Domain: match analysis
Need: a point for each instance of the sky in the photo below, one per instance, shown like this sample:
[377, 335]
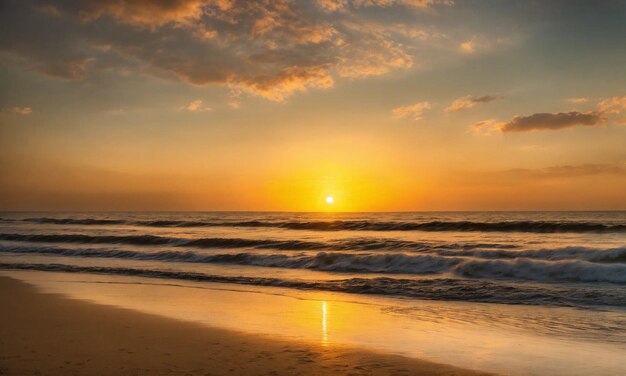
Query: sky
[385, 105]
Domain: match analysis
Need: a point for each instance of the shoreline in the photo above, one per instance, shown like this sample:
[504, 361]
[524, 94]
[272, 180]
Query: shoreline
[54, 335]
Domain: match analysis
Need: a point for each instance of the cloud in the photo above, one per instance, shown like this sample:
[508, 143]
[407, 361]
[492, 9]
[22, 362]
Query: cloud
[379, 57]
[614, 105]
[413, 111]
[279, 86]
[580, 100]
[544, 121]
[468, 47]
[196, 106]
[150, 13]
[552, 121]
[234, 98]
[18, 110]
[333, 5]
[405, 3]
[614, 108]
[483, 42]
[487, 126]
[608, 110]
[341, 5]
[268, 48]
[467, 102]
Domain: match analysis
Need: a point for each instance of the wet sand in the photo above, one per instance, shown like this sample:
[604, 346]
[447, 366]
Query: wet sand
[48, 334]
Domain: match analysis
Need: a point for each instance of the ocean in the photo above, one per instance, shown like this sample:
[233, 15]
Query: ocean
[555, 275]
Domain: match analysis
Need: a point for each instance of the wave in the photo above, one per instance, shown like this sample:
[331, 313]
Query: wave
[555, 254]
[337, 262]
[479, 250]
[390, 263]
[363, 225]
[561, 271]
[431, 288]
[160, 240]
[74, 221]
[476, 250]
[358, 244]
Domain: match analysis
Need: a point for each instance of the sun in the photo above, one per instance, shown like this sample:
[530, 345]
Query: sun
[330, 200]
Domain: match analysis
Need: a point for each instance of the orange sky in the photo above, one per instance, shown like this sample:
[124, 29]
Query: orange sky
[275, 105]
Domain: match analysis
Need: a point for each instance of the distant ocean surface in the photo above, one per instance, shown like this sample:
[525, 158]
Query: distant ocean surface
[575, 259]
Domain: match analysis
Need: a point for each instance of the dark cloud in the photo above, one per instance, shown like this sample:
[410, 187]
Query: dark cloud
[271, 48]
[552, 121]
[543, 121]
[608, 111]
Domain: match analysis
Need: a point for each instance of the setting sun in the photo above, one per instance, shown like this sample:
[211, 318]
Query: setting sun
[330, 200]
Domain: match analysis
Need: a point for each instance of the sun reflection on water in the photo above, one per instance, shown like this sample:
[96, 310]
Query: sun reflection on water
[324, 325]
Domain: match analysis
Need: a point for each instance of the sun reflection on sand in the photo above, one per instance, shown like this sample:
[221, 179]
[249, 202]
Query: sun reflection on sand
[324, 325]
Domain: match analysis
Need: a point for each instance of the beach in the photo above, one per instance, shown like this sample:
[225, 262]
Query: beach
[48, 334]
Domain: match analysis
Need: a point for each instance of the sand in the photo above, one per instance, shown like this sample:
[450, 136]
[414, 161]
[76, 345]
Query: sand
[49, 334]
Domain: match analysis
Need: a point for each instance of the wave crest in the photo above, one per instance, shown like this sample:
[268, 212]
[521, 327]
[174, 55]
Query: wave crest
[431, 288]
[390, 263]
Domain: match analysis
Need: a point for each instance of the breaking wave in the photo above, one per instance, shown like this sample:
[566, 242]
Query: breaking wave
[432, 288]
[390, 263]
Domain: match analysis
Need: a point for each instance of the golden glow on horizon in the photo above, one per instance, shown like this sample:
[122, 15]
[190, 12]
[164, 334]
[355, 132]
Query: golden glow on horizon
[296, 176]
[307, 177]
